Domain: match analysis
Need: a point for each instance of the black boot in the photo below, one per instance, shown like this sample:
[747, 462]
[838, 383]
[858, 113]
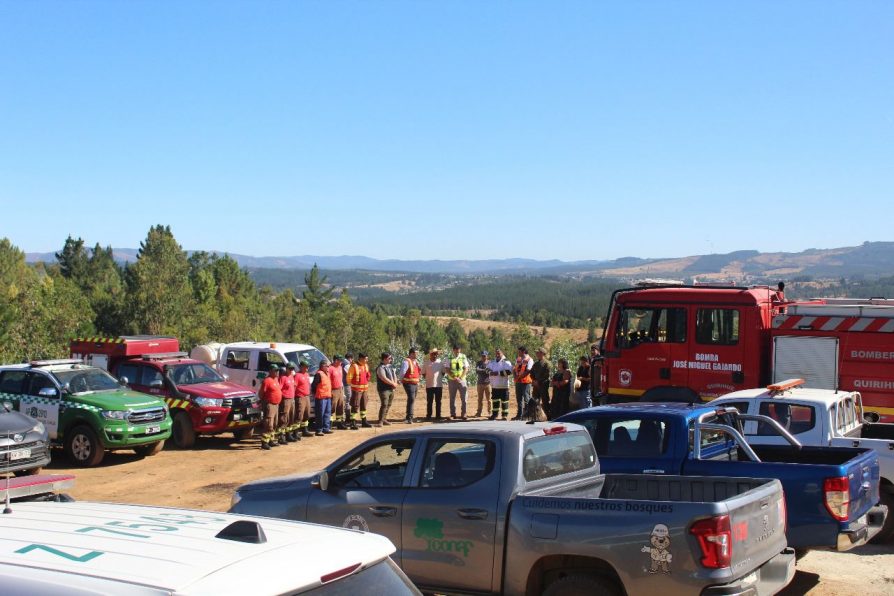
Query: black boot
[340, 425]
[365, 424]
[354, 425]
[283, 440]
[306, 433]
[265, 445]
[295, 436]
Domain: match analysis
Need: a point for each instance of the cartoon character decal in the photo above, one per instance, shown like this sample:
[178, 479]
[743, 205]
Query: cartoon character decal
[659, 543]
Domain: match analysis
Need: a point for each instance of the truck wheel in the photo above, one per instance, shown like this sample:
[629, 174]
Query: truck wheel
[83, 447]
[887, 531]
[579, 584]
[243, 434]
[150, 449]
[182, 432]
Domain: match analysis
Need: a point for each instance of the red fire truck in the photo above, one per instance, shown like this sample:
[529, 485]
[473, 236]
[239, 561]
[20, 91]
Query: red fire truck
[200, 399]
[695, 343]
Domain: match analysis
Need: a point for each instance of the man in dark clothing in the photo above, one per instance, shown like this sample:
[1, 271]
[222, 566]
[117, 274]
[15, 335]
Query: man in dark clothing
[596, 376]
[540, 378]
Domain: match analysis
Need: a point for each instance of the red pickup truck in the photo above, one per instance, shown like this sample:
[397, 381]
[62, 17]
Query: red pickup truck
[200, 399]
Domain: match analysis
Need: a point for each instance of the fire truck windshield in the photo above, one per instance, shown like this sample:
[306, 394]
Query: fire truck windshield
[86, 380]
[193, 374]
[312, 357]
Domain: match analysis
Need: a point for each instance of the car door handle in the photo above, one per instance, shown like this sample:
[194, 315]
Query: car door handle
[383, 511]
[472, 513]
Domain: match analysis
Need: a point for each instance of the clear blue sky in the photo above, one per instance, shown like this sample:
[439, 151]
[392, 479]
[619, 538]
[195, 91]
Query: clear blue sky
[571, 130]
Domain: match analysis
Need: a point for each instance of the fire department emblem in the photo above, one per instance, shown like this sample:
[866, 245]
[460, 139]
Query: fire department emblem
[625, 376]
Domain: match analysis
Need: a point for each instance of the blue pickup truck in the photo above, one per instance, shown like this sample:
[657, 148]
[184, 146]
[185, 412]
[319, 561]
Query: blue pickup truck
[832, 494]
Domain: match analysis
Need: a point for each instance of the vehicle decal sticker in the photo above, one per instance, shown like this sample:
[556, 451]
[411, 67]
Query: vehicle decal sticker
[53, 551]
[356, 522]
[432, 531]
[658, 549]
[625, 377]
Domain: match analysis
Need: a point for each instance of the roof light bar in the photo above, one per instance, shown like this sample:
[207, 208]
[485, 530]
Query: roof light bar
[58, 361]
[165, 355]
[785, 385]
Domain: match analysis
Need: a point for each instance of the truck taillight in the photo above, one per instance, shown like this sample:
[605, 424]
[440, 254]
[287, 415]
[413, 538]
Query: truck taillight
[838, 497]
[715, 540]
[783, 513]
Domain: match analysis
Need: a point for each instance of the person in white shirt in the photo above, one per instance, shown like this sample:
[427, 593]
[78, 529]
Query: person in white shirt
[500, 373]
[433, 371]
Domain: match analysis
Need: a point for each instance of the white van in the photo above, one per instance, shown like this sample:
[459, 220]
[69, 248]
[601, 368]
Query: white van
[247, 362]
[79, 548]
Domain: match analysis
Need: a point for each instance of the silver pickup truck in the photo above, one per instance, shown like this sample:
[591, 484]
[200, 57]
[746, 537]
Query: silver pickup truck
[511, 508]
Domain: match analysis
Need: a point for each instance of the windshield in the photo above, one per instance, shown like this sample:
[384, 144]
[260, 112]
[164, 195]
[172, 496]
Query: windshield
[193, 374]
[86, 380]
[312, 356]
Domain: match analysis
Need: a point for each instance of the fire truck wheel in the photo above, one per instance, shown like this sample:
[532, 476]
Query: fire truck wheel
[150, 449]
[83, 447]
[182, 432]
[887, 531]
[244, 434]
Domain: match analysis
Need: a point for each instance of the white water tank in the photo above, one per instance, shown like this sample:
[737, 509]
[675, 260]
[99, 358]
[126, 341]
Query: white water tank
[208, 353]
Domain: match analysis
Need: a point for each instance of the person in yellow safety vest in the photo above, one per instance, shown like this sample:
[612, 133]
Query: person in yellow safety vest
[456, 381]
[523, 380]
[358, 379]
[409, 378]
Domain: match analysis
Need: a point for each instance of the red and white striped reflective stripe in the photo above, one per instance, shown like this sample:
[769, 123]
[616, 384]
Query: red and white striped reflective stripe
[866, 324]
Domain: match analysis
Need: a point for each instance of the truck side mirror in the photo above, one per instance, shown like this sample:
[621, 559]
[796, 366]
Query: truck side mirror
[123, 381]
[226, 377]
[48, 392]
[157, 384]
[321, 481]
[871, 417]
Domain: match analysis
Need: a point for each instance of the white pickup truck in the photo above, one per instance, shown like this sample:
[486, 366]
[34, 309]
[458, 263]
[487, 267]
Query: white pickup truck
[820, 417]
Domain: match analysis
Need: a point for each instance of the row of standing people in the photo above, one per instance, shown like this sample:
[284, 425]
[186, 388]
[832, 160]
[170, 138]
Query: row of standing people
[340, 390]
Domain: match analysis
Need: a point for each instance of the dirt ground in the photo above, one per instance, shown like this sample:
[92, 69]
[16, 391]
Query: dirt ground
[206, 476]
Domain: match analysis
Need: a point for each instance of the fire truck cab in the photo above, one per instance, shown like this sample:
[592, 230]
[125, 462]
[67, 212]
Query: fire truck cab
[695, 343]
[201, 401]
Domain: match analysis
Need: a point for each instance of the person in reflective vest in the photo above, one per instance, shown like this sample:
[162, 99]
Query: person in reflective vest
[409, 378]
[523, 365]
[358, 379]
[322, 392]
[456, 381]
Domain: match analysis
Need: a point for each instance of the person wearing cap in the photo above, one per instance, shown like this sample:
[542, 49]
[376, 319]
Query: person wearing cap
[286, 428]
[456, 381]
[523, 380]
[386, 383]
[500, 372]
[337, 376]
[482, 374]
[302, 401]
[358, 379]
[433, 371]
[321, 388]
[540, 380]
[409, 378]
[271, 396]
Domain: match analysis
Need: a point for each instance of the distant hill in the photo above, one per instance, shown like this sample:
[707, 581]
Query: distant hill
[870, 259]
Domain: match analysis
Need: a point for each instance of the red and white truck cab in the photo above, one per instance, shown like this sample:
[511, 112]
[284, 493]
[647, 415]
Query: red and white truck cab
[201, 401]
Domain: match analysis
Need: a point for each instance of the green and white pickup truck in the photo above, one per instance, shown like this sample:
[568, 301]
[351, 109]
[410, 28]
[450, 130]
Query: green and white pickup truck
[85, 410]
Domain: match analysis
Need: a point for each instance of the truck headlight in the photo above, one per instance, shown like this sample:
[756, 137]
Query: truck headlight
[207, 402]
[114, 414]
[39, 428]
[235, 500]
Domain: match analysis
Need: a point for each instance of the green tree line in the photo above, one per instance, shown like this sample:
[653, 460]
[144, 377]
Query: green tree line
[202, 297]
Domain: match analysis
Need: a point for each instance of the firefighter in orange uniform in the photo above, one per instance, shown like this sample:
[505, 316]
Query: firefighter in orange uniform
[302, 401]
[321, 387]
[336, 375]
[358, 379]
[271, 397]
[409, 378]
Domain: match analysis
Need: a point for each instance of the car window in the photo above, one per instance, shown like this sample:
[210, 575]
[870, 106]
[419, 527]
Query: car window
[265, 359]
[85, 379]
[237, 359]
[151, 375]
[191, 374]
[651, 325]
[717, 326]
[38, 382]
[552, 455]
[453, 464]
[131, 371]
[383, 465]
[13, 381]
[623, 436]
[312, 356]
[792, 417]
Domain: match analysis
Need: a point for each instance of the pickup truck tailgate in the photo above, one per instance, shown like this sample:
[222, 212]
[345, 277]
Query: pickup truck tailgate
[863, 484]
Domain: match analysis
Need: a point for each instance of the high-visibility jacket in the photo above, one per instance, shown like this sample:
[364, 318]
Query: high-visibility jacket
[457, 364]
[523, 370]
[323, 386]
[411, 377]
[358, 377]
[287, 384]
[302, 384]
[271, 392]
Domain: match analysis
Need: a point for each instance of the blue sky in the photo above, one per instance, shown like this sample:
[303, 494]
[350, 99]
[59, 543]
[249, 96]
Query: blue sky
[570, 130]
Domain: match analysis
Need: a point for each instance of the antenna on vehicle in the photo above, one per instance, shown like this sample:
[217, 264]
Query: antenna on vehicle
[7, 509]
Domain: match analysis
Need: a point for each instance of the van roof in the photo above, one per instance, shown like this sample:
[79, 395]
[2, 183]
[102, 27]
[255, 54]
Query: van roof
[171, 549]
[278, 345]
